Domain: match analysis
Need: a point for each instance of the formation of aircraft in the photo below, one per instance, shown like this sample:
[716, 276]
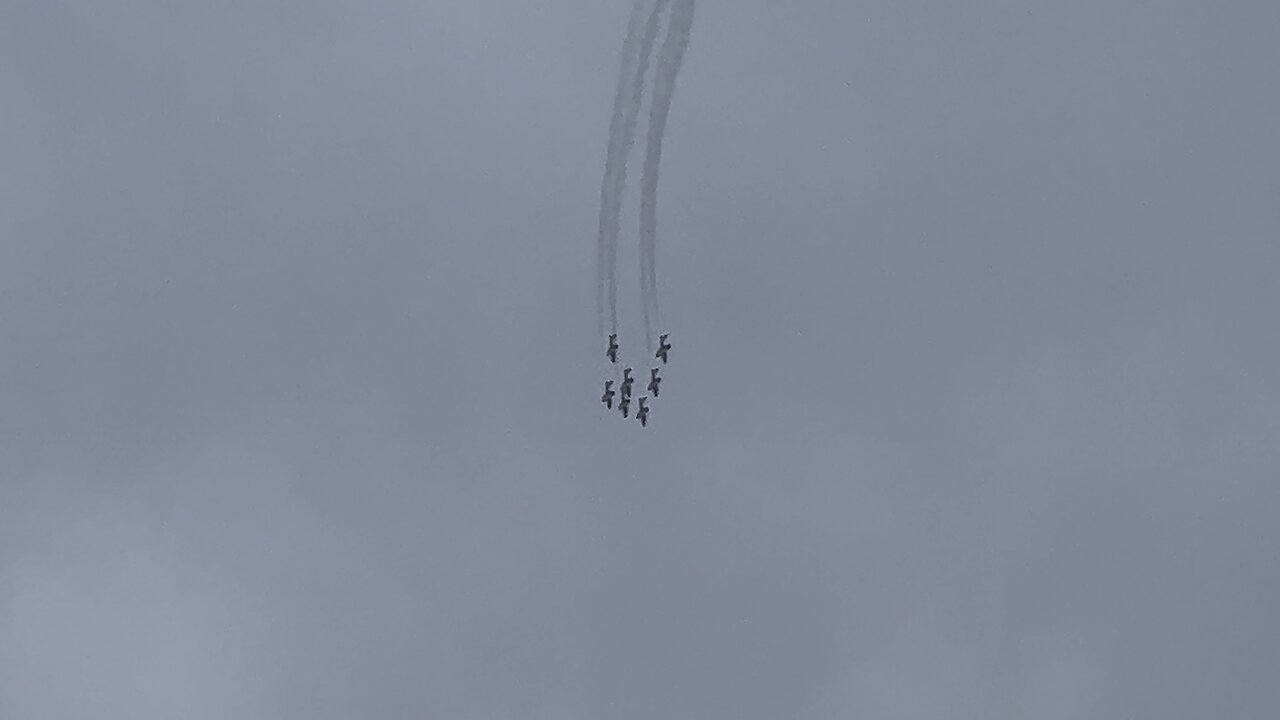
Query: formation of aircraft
[624, 391]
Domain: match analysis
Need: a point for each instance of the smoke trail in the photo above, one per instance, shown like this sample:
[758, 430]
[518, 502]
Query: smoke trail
[647, 41]
[628, 139]
[670, 58]
[615, 159]
[622, 133]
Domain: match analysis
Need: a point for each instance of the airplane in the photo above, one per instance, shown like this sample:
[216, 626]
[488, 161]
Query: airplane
[607, 398]
[624, 405]
[663, 348]
[653, 381]
[642, 412]
[612, 352]
[626, 382]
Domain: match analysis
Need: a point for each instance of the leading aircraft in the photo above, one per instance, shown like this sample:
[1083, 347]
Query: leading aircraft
[607, 397]
[642, 412]
[612, 352]
[663, 348]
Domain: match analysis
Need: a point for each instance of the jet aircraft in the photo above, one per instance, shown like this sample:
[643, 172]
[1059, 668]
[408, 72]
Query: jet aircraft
[626, 383]
[607, 397]
[612, 352]
[625, 405]
[653, 381]
[642, 412]
[663, 348]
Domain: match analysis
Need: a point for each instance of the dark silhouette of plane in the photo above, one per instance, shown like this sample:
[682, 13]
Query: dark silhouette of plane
[624, 405]
[626, 383]
[663, 348]
[607, 397]
[653, 381]
[642, 412]
[612, 352]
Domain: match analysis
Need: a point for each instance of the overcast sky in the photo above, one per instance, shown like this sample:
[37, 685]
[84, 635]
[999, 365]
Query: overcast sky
[972, 410]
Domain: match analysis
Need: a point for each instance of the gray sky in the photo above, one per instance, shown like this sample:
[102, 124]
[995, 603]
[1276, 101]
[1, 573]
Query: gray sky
[971, 413]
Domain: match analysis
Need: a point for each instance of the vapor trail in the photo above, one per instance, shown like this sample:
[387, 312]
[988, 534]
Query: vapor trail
[615, 161]
[622, 135]
[670, 57]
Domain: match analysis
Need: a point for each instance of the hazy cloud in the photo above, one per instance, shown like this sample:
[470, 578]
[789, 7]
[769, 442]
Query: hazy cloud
[972, 413]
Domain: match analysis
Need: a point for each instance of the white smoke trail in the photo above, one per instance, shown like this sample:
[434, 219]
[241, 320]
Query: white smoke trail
[622, 135]
[628, 138]
[670, 58]
[615, 162]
